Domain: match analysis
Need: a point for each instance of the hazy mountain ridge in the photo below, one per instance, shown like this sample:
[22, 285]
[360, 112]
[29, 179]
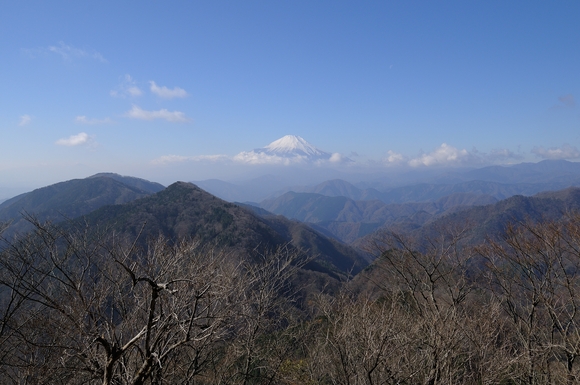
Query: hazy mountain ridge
[415, 185]
[481, 222]
[254, 190]
[347, 219]
[73, 198]
[429, 192]
[132, 182]
[142, 184]
[338, 187]
[546, 171]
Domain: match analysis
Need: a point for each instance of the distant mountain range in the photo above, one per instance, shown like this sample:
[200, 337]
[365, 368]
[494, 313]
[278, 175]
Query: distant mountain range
[546, 171]
[499, 182]
[347, 219]
[490, 221]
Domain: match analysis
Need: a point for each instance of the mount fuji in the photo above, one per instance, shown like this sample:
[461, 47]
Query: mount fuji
[288, 150]
[292, 146]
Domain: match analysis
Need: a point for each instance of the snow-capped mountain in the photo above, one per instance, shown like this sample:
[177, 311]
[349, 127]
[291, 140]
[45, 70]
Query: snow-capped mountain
[290, 149]
[292, 146]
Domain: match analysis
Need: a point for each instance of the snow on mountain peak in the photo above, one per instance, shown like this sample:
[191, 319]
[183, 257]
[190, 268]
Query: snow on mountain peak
[290, 149]
[293, 145]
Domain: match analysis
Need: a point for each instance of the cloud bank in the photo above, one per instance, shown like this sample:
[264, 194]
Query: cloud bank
[554, 153]
[244, 157]
[449, 156]
[255, 158]
[443, 156]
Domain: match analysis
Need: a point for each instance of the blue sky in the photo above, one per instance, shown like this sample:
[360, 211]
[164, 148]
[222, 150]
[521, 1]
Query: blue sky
[175, 89]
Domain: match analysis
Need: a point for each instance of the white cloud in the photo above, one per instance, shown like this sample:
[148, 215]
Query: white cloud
[67, 52]
[338, 158]
[128, 87]
[74, 140]
[335, 159]
[166, 159]
[445, 155]
[252, 157]
[211, 158]
[83, 120]
[166, 93]
[171, 116]
[394, 158]
[134, 91]
[24, 120]
[564, 152]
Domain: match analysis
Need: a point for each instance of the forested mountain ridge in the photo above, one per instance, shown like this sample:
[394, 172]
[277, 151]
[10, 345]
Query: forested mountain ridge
[183, 210]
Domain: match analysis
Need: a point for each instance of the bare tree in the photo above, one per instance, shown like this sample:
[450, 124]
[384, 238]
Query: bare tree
[536, 275]
[94, 310]
[361, 341]
[435, 286]
[84, 307]
[266, 334]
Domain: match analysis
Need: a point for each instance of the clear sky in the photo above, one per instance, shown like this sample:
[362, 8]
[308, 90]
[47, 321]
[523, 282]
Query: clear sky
[159, 89]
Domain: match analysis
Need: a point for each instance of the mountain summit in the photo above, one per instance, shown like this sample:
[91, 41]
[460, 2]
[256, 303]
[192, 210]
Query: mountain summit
[290, 149]
[292, 145]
